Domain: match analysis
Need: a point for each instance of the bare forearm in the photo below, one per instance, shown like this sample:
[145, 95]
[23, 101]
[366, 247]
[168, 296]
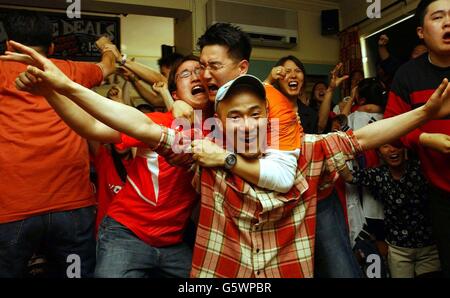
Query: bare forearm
[168, 100]
[347, 107]
[247, 169]
[108, 63]
[147, 74]
[148, 95]
[118, 116]
[387, 130]
[324, 110]
[126, 93]
[80, 121]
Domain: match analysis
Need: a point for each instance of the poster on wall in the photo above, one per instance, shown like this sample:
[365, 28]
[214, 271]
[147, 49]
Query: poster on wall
[74, 39]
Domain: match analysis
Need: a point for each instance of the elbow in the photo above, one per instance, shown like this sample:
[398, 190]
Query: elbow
[281, 182]
[285, 186]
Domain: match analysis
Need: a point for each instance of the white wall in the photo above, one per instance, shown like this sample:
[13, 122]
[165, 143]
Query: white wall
[142, 37]
[312, 48]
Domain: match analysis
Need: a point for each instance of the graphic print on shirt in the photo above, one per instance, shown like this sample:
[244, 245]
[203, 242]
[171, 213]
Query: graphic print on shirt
[152, 174]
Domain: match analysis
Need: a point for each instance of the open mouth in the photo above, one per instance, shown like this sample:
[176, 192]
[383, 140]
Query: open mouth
[249, 139]
[197, 90]
[446, 37]
[293, 85]
[394, 157]
[213, 88]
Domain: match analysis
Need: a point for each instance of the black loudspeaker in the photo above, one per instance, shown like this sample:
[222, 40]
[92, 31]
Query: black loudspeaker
[330, 21]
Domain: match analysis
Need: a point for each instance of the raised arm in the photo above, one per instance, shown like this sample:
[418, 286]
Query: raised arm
[147, 74]
[145, 92]
[382, 47]
[81, 122]
[108, 62]
[387, 130]
[162, 89]
[115, 115]
[325, 106]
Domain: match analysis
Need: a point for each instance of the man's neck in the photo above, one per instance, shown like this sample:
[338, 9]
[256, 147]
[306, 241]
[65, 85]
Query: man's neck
[439, 60]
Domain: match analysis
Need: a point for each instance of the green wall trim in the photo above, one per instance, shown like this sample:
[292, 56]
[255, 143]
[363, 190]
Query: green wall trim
[261, 68]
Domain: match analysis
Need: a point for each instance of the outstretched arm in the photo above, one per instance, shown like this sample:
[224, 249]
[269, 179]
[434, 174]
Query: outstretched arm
[387, 130]
[115, 115]
[80, 121]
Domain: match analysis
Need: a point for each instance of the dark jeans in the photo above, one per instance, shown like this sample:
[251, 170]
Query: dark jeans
[440, 216]
[65, 237]
[334, 257]
[121, 254]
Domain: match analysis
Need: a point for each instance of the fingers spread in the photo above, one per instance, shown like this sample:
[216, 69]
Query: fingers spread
[29, 51]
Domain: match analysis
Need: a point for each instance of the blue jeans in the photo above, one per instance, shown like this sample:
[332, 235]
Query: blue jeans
[59, 234]
[334, 257]
[121, 254]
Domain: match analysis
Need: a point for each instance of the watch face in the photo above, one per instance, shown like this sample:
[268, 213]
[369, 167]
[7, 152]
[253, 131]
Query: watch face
[230, 161]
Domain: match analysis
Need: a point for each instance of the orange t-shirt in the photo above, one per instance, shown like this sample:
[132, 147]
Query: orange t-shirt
[44, 165]
[289, 130]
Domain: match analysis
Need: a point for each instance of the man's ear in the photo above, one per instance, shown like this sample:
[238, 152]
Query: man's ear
[51, 49]
[419, 31]
[175, 96]
[243, 66]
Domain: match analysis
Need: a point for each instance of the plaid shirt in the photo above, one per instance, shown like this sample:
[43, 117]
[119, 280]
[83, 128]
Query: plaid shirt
[248, 232]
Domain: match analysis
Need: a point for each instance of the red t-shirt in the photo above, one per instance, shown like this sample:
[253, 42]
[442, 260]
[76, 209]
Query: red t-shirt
[108, 181]
[44, 165]
[157, 199]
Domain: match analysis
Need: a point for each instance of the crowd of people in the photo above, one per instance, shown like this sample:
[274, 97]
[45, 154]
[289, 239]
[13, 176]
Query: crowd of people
[217, 173]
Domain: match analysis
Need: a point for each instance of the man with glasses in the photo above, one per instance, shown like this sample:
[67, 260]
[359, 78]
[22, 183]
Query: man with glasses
[142, 234]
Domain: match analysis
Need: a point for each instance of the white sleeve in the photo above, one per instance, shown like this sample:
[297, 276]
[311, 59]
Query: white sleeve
[277, 170]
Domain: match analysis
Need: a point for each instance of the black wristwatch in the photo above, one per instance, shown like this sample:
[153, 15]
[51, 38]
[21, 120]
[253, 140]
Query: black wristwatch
[230, 161]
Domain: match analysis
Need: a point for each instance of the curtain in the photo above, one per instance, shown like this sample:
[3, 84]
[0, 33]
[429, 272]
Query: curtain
[350, 54]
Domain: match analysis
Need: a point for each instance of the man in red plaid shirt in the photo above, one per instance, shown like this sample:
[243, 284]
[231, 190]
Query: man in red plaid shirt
[244, 231]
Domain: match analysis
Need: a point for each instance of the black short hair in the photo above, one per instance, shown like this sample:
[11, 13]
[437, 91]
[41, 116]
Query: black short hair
[294, 59]
[172, 84]
[169, 60]
[421, 11]
[225, 34]
[373, 92]
[29, 28]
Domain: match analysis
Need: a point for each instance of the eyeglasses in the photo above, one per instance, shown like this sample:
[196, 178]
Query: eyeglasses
[188, 73]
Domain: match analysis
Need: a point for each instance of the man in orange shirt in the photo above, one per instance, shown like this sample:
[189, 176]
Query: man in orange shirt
[46, 197]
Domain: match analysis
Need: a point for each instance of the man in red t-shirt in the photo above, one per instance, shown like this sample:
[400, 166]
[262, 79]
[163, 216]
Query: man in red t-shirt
[46, 197]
